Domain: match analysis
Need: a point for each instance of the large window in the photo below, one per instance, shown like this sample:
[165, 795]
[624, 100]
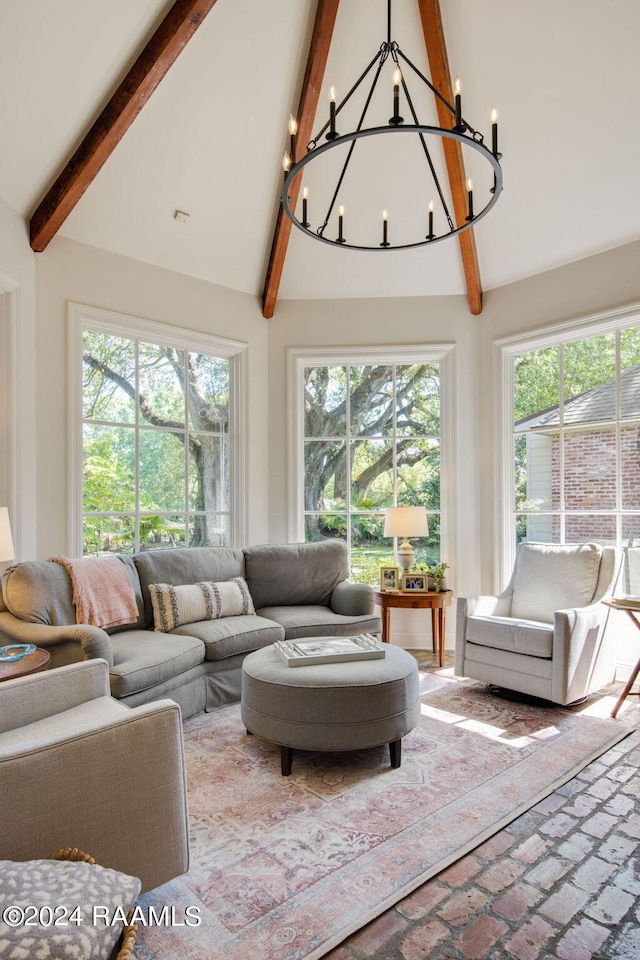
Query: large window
[576, 440]
[158, 439]
[369, 438]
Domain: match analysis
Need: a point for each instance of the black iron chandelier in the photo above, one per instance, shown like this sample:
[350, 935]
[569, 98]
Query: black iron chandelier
[430, 216]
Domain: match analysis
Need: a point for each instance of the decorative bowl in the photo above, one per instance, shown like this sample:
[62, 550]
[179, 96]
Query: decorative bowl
[15, 651]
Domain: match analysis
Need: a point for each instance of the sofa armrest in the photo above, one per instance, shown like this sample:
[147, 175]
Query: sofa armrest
[352, 599]
[29, 699]
[95, 642]
[118, 792]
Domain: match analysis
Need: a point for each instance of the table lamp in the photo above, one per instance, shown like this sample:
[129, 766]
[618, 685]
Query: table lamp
[405, 522]
[6, 542]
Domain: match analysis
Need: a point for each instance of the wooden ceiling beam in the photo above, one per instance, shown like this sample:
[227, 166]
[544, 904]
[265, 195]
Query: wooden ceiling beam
[441, 79]
[164, 47]
[326, 12]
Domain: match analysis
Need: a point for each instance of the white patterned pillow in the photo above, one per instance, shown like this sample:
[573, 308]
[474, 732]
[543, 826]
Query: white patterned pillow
[62, 910]
[192, 602]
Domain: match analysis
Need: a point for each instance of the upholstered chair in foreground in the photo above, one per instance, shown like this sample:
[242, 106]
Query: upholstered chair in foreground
[545, 634]
[80, 769]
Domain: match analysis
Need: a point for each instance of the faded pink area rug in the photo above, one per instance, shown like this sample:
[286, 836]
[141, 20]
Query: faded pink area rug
[284, 868]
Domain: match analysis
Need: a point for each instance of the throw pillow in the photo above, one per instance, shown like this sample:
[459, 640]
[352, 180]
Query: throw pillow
[60, 909]
[192, 602]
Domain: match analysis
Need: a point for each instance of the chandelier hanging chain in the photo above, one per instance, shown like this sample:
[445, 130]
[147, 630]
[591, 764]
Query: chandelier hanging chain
[459, 131]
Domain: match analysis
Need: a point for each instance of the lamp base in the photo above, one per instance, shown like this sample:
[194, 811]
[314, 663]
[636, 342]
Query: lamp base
[406, 556]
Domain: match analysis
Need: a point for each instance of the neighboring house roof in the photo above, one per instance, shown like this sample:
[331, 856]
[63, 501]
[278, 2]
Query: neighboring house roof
[593, 405]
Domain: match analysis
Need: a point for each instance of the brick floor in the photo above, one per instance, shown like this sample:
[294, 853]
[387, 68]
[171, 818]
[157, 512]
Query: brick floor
[562, 882]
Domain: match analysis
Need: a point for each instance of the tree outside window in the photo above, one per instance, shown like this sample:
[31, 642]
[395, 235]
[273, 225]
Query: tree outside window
[371, 441]
[156, 446]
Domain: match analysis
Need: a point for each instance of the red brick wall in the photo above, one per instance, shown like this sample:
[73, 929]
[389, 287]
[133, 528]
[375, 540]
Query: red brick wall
[590, 480]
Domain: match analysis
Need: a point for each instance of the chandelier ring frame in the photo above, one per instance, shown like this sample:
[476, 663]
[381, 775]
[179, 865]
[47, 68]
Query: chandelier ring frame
[416, 130]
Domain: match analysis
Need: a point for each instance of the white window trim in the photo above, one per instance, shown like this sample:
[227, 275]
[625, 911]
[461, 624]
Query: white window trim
[82, 317]
[9, 485]
[442, 353]
[504, 350]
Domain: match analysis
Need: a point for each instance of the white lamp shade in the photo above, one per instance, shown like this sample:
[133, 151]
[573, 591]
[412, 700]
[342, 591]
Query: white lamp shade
[406, 522]
[6, 542]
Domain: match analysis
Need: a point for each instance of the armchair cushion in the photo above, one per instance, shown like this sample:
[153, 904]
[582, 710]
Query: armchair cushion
[75, 722]
[550, 577]
[54, 886]
[531, 637]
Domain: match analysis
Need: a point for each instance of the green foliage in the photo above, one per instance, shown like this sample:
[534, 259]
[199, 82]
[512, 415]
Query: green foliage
[181, 402]
[365, 566]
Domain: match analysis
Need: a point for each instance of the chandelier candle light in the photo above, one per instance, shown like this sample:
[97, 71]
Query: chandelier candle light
[440, 221]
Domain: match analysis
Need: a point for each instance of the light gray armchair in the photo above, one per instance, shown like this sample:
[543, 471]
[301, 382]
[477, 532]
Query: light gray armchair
[545, 634]
[80, 769]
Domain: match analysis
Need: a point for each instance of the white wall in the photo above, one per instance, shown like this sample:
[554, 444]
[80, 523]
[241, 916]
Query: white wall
[574, 291]
[358, 323]
[71, 271]
[17, 380]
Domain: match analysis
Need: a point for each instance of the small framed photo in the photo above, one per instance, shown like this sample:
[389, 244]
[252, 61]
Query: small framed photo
[389, 578]
[416, 582]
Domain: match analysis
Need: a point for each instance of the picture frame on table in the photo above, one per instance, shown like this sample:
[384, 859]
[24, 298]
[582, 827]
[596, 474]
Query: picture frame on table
[415, 582]
[389, 578]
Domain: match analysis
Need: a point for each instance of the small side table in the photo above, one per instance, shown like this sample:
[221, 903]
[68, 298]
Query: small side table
[413, 600]
[632, 610]
[32, 663]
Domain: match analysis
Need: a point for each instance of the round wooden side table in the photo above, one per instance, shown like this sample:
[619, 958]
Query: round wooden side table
[32, 663]
[414, 600]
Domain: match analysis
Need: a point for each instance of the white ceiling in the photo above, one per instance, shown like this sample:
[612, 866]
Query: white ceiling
[565, 77]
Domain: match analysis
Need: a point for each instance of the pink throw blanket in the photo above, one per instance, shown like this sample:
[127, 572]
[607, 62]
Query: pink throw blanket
[102, 591]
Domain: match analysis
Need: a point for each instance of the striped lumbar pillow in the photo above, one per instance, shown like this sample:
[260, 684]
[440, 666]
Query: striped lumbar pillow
[173, 606]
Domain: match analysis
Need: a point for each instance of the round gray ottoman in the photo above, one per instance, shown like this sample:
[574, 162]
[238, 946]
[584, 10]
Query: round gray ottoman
[331, 706]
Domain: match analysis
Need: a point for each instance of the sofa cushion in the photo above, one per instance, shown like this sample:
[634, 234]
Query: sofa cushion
[530, 637]
[144, 658]
[54, 886]
[181, 565]
[191, 602]
[314, 620]
[550, 577]
[284, 574]
[232, 635]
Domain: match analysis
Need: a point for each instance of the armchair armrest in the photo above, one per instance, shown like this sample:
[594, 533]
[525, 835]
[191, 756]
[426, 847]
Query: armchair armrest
[116, 790]
[480, 606]
[29, 699]
[579, 643]
[352, 599]
[95, 642]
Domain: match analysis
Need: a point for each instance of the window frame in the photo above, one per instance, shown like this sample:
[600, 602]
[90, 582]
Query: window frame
[505, 349]
[82, 317]
[442, 354]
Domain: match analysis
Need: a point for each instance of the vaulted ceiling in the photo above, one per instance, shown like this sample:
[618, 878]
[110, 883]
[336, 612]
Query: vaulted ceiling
[209, 139]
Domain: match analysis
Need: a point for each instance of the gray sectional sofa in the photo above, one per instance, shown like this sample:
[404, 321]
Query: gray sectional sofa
[298, 590]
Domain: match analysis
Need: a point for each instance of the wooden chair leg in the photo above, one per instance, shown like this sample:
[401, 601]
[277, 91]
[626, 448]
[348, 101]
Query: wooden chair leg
[286, 756]
[395, 753]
